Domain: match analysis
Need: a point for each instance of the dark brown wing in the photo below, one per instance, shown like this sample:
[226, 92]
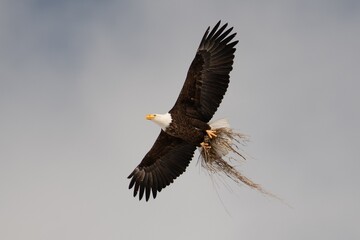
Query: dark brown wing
[208, 76]
[166, 160]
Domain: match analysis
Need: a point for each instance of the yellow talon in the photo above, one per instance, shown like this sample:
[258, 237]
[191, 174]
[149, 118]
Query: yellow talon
[205, 145]
[211, 133]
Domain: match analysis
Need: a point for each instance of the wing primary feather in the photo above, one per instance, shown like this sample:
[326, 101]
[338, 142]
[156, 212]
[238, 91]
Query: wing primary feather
[148, 190]
[132, 182]
[225, 33]
[141, 191]
[204, 37]
[232, 44]
[147, 193]
[228, 39]
[136, 188]
[217, 34]
[154, 192]
[214, 30]
[154, 186]
[131, 174]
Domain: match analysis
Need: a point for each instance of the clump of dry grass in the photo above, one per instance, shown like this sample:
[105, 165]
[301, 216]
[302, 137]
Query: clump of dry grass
[215, 158]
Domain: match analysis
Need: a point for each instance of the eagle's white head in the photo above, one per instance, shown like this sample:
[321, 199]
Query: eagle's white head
[163, 120]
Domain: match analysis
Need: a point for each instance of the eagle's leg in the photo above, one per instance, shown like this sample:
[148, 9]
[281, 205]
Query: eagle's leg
[211, 133]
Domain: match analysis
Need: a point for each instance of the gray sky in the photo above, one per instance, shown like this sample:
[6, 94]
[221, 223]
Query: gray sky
[77, 78]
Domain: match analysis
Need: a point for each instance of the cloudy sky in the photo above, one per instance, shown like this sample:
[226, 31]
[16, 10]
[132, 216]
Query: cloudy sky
[77, 78]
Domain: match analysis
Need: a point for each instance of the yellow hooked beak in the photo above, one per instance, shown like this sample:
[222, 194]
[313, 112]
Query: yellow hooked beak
[150, 116]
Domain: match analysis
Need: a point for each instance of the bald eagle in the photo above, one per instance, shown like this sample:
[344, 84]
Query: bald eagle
[186, 126]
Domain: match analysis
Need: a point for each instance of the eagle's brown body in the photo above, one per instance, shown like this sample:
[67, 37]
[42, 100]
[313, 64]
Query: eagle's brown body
[189, 129]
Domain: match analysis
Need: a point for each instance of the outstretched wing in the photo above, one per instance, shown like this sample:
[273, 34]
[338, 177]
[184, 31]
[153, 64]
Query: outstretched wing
[166, 160]
[208, 76]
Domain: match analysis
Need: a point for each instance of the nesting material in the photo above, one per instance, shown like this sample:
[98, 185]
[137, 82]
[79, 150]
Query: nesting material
[223, 148]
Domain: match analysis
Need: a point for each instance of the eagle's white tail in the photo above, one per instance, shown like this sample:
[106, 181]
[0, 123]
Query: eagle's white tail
[215, 157]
